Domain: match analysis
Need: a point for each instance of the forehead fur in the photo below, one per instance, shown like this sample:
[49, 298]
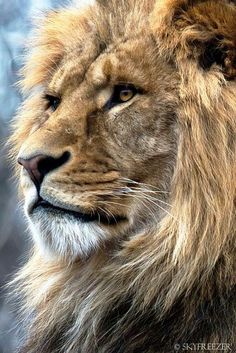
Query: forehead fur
[178, 25]
[86, 33]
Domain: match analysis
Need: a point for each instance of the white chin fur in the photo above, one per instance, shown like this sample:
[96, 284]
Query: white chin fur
[61, 235]
[65, 237]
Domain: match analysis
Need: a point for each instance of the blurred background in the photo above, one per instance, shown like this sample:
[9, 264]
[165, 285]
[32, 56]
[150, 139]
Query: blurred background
[15, 26]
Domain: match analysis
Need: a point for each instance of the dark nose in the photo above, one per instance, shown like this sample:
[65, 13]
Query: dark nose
[40, 165]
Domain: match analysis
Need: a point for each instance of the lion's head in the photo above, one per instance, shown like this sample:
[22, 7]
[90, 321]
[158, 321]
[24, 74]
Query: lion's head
[99, 146]
[126, 142]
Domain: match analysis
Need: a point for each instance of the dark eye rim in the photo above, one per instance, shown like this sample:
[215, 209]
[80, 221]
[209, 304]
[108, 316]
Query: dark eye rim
[53, 101]
[115, 98]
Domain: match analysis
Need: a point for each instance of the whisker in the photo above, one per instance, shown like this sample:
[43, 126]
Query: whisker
[143, 201]
[107, 213]
[110, 202]
[123, 179]
[141, 192]
[142, 197]
[149, 197]
[150, 191]
[154, 203]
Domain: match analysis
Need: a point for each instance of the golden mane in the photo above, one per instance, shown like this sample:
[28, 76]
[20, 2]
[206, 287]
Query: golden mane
[187, 263]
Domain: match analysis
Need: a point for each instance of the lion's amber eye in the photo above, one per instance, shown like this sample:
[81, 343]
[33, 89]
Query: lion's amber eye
[122, 93]
[53, 102]
[126, 94]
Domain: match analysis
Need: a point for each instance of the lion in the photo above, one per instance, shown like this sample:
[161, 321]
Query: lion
[126, 154]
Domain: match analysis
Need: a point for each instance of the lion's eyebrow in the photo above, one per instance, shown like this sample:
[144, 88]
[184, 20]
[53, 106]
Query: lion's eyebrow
[51, 92]
[98, 77]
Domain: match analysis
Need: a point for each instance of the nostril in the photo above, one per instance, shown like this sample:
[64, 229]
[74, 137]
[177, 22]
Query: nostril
[40, 165]
[48, 164]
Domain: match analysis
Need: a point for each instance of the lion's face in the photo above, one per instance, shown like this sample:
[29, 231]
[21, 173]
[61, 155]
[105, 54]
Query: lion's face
[102, 139]
[111, 117]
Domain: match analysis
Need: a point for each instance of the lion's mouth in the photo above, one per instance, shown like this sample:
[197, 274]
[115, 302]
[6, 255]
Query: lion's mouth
[95, 216]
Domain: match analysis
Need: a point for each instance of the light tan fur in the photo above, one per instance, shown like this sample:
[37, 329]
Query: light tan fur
[186, 253]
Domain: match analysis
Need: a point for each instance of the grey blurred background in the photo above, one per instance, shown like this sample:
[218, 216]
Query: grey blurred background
[15, 26]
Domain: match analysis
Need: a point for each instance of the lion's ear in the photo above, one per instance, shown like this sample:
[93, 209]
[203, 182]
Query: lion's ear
[198, 30]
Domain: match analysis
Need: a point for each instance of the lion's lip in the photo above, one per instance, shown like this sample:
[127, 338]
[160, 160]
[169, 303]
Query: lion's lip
[94, 216]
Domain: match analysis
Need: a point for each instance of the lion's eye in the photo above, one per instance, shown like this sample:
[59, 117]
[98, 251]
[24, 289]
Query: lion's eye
[127, 94]
[53, 102]
[122, 93]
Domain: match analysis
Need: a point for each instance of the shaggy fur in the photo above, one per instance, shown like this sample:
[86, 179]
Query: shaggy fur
[166, 275]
